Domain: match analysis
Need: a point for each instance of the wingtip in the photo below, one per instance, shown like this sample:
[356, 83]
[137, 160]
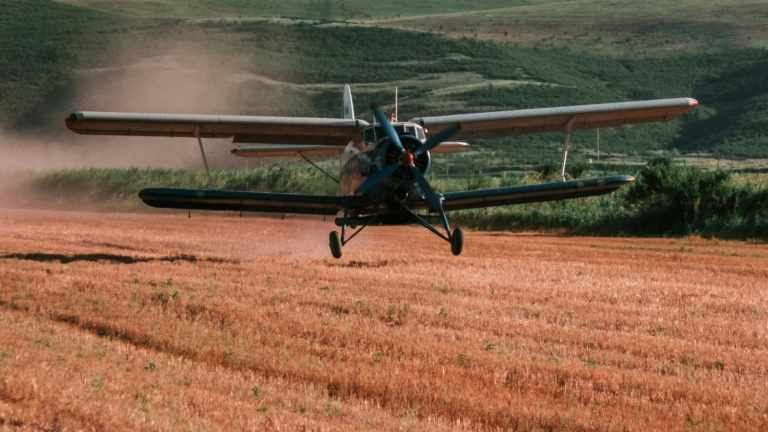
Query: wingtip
[693, 102]
[70, 120]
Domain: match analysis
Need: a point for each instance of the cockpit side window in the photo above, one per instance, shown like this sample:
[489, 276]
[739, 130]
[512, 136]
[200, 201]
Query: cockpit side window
[374, 134]
[370, 135]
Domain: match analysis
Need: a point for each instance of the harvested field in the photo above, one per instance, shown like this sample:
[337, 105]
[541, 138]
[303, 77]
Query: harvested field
[159, 322]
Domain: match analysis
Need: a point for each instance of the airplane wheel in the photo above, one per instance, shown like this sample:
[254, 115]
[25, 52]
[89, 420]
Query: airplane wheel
[335, 244]
[457, 241]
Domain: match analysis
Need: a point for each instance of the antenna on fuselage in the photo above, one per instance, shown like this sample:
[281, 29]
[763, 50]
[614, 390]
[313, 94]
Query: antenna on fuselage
[395, 103]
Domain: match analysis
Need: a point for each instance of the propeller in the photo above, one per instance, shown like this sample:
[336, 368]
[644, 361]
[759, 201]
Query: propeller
[406, 159]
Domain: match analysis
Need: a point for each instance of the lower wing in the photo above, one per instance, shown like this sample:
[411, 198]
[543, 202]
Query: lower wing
[198, 199]
[533, 193]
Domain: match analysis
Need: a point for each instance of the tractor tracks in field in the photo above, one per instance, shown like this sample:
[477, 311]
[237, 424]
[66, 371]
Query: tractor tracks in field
[112, 258]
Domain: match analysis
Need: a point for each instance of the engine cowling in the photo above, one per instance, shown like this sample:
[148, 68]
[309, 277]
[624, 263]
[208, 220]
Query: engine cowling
[393, 155]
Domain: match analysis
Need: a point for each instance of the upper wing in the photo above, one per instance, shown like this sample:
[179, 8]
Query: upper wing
[197, 199]
[533, 193]
[244, 129]
[518, 122]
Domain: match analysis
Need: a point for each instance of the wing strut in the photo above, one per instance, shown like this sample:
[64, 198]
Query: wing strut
[568, 125]
[205, 161]
[318, 168]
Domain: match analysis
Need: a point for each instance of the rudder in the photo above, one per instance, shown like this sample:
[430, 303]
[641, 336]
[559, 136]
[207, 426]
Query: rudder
[347, 108]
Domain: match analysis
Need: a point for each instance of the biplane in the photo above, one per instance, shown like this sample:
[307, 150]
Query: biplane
[382, 166]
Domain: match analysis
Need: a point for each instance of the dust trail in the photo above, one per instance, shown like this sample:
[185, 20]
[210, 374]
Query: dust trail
[182, 78]
[176, 82]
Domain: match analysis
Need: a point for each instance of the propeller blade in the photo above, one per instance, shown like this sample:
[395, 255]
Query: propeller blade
[429, 193]
[381, 118]
[377, 178]
[437, 139]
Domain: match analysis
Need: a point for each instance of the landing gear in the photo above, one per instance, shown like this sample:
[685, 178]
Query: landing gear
[457, 241]
[335, 244]
[338, 241]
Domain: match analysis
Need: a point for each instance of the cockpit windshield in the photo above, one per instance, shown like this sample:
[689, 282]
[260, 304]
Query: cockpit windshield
[374, 134]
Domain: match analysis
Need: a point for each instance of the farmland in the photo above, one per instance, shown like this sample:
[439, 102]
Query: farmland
[158, 322]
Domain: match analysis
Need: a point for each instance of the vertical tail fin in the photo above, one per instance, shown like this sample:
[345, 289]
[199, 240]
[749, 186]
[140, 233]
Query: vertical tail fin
[347, 108]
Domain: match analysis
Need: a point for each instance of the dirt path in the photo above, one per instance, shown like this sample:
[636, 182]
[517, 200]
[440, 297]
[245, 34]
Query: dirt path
[142, 321]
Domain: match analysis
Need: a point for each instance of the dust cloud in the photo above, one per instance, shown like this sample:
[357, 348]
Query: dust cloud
[178, 81]
[184, 80]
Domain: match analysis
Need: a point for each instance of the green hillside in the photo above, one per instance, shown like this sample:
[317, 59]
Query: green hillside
[625, 28]
[305, 9]
[297, 68]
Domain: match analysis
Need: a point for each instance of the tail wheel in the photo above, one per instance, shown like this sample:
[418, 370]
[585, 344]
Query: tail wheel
[335, 244]
[457, 241]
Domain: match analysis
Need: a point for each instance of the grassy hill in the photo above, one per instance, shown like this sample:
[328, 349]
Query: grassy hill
[291, 67]
[305, 9]
[609, 27]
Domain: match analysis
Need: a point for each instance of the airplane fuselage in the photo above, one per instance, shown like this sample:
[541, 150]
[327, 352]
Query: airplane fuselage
[363, 158]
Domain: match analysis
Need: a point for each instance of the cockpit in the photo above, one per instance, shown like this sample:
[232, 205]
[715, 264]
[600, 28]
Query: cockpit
[373, 134]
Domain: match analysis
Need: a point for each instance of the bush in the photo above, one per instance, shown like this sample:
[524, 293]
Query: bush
[672, 199]
[667, 199]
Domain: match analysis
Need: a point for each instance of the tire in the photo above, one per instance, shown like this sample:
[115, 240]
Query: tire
[457, 241]
[335, 244]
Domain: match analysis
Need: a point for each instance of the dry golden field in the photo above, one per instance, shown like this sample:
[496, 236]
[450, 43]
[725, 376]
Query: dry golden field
[160, 322]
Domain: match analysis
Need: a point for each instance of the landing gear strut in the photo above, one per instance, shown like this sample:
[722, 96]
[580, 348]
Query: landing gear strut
[456, 239]
[337, 242]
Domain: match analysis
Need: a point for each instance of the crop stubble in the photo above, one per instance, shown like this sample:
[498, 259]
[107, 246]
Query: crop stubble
[160, 321]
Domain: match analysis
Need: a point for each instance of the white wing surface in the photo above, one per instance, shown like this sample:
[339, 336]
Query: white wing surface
[243, 129]
[519, 122]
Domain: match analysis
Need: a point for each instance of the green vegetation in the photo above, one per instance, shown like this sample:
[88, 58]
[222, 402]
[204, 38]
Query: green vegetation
[43, 42]
[304, 9]
[649, 28]
[298, 69]
[667, 199]
[117, 188]
[534, 53]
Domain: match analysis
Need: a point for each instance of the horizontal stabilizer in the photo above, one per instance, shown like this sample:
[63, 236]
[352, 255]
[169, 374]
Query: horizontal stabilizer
[448, 147]
[287, 150]
[199, 199]
[533, 193]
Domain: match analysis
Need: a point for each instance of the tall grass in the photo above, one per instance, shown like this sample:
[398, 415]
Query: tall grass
[667, 199]
[117, 188]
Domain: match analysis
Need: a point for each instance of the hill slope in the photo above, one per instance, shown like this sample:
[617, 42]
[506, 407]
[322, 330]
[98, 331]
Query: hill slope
[287, 68]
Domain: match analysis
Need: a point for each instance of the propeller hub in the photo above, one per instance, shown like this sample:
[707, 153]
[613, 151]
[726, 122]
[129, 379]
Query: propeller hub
[407, 159]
